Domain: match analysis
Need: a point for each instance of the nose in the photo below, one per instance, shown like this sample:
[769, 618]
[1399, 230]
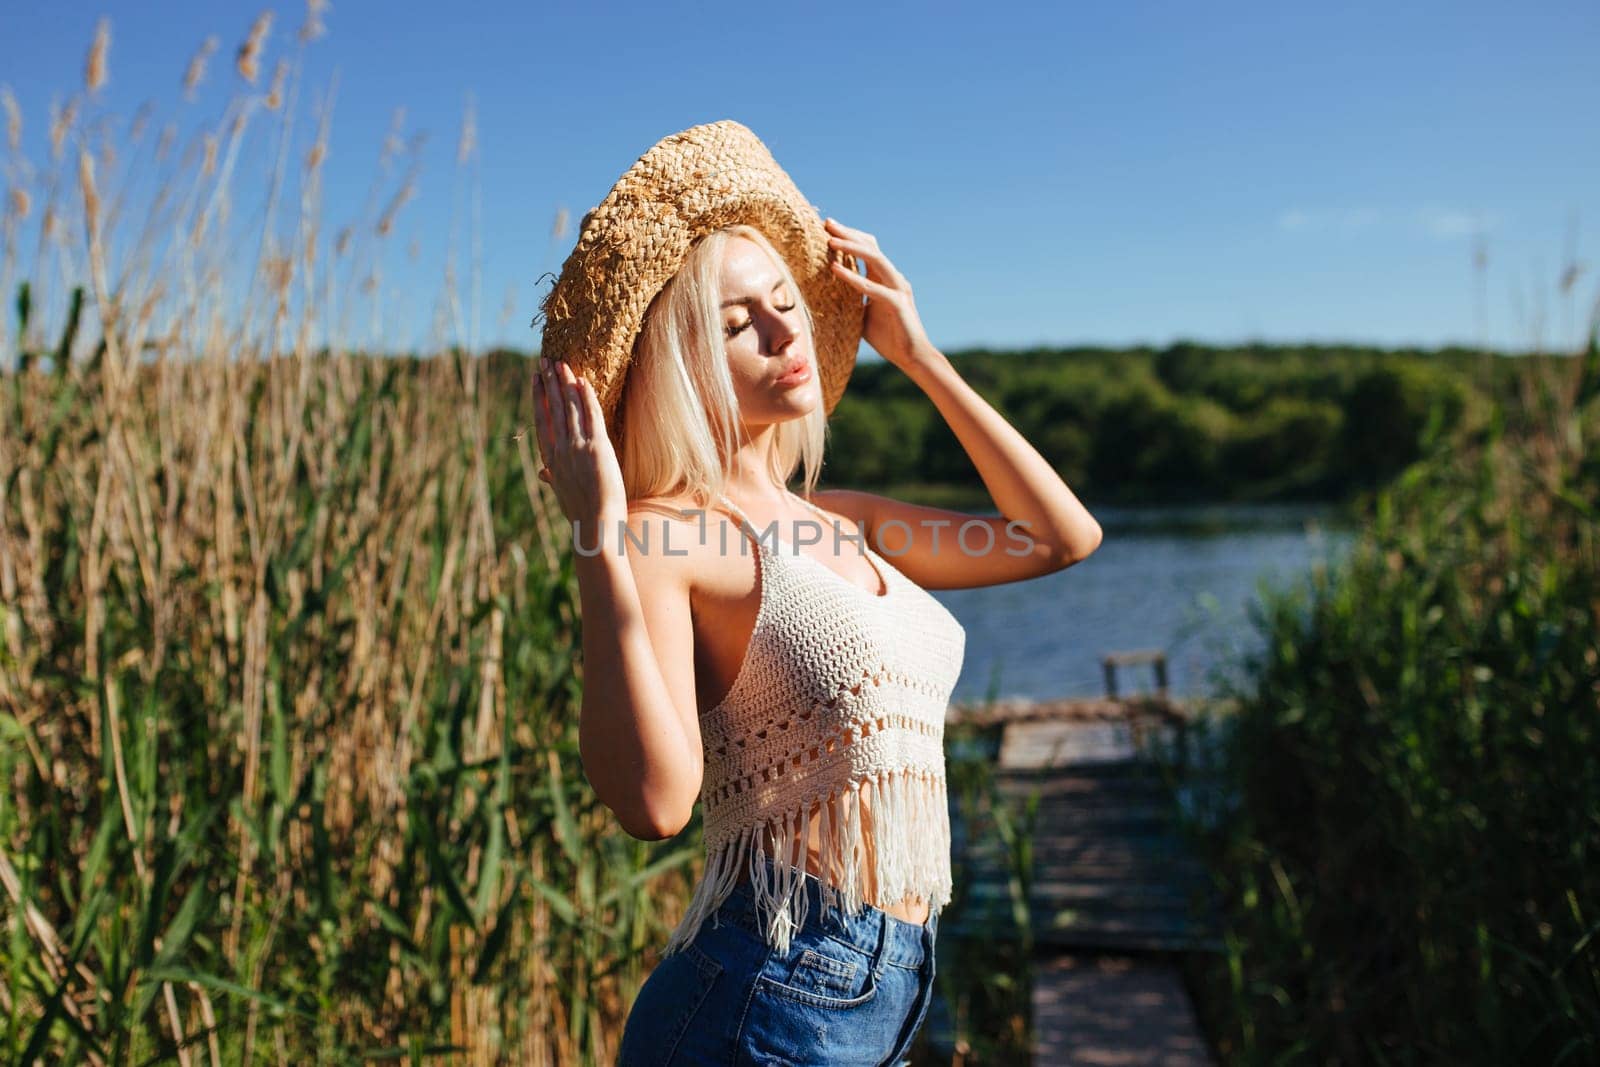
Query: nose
[783, 332]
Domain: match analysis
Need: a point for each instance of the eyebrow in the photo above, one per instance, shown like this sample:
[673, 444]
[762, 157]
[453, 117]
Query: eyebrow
[750, 299]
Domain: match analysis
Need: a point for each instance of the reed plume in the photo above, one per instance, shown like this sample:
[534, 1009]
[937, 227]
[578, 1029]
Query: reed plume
[94, 68]
[195, 73]
[248, 60]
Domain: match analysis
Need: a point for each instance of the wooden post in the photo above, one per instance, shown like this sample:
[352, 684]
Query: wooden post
[1153, 656]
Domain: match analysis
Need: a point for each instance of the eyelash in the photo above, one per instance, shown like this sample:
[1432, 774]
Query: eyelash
[734, 331]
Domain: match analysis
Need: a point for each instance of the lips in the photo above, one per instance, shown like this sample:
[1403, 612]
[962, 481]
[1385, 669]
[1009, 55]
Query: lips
[797, 372]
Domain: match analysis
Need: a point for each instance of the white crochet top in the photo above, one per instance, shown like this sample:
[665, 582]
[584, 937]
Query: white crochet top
[841, 692]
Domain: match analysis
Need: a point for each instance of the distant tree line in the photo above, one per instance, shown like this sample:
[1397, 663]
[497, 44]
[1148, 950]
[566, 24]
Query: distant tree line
[1182, 423]
[1185, 422]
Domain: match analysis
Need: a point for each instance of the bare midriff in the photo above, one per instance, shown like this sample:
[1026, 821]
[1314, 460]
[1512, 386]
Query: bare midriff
[911, 908]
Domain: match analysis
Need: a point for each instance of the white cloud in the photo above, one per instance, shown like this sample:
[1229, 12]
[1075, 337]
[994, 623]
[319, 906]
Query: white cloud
[1450, 223]
[1342, 219]
[1294, 220]
[1444, 223]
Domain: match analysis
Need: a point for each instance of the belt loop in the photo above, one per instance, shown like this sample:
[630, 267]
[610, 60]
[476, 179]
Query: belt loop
[882, 919]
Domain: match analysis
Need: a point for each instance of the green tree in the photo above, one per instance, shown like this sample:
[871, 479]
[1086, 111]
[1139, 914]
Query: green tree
[1290, 442]
[1385, 413]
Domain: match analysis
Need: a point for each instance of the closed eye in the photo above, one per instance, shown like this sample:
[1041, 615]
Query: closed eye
[738, 328]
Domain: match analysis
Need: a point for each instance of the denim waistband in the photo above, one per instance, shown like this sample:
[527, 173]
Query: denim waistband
[873, 931]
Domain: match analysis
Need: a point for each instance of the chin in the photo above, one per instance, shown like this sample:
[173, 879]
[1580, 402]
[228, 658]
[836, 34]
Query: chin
[795, 406]
[807, 401]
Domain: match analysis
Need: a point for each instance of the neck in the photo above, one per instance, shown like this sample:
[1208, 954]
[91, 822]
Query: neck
[749, 477]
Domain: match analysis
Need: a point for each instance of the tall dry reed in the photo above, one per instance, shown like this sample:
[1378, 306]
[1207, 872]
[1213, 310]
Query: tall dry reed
[288, 675]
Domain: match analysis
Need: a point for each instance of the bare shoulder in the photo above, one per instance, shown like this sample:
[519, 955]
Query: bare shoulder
[664, 521]
[646, 512]
[677, 534]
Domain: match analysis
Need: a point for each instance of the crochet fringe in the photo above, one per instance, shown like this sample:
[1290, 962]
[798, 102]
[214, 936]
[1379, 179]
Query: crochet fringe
[911, 848]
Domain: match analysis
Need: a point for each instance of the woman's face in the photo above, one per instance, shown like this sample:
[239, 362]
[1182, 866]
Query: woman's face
[763, 327]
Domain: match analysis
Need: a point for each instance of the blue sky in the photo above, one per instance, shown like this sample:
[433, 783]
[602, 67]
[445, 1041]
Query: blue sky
[1043, 174]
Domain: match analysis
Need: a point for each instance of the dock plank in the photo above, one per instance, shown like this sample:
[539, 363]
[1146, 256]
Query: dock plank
[1111, 1011]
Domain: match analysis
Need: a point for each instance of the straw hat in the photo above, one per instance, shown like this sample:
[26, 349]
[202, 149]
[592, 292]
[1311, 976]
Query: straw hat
[637, 238]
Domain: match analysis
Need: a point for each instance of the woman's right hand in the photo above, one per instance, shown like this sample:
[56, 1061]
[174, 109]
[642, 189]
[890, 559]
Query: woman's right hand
[579, 462]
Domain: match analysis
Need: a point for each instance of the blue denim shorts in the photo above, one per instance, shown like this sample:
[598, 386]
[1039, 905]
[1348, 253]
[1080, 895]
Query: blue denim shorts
[850, 990]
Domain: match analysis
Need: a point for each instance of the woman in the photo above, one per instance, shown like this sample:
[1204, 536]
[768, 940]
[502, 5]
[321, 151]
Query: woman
[751, 648]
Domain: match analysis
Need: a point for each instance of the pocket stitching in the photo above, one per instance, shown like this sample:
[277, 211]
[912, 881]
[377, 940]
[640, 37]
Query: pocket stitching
[805, 996]
[827, 964]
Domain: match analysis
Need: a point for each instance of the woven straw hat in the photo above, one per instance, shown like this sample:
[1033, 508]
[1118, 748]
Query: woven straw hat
[637, 238]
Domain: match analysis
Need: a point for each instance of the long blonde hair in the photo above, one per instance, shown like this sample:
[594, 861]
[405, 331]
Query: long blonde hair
[680, 418]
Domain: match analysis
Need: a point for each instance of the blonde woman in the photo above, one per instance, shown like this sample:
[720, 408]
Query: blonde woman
[774, 656]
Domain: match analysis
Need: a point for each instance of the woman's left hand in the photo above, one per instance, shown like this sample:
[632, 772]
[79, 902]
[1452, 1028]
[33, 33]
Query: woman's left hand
[892, 325]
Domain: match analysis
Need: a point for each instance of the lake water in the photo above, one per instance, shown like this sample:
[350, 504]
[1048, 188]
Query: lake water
[1176, 579]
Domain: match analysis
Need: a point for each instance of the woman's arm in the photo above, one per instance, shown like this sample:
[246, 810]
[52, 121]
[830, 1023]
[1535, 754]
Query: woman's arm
[639, 729]
[1042, 526]
[639, 734]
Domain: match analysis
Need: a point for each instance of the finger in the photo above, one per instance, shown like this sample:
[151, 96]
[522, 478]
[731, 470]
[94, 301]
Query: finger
[874, 257]
[572, 399]
[558, 405]
[596, 419]
[541, 415]
[865, 285]
[579, 411]
[850, 231]
[541, 378]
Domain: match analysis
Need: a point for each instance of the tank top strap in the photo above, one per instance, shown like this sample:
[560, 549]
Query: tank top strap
[745, 528]
[831, 522]
[819, 512]
[737, 511]
[731, 506]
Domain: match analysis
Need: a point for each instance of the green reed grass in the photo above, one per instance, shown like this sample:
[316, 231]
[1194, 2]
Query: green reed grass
[1407, 833]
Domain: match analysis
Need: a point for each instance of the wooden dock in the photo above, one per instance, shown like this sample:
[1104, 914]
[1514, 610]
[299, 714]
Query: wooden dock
[1113, 893]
